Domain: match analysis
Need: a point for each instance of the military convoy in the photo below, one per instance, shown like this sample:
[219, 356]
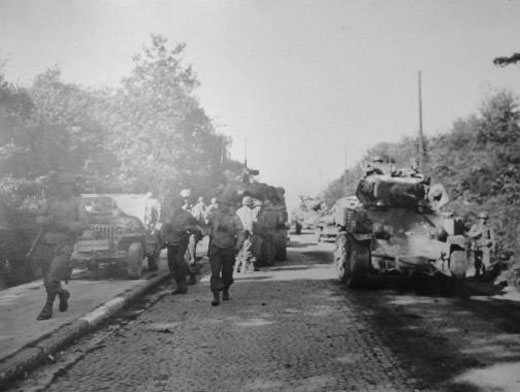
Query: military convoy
[122, 232]
[393, 225]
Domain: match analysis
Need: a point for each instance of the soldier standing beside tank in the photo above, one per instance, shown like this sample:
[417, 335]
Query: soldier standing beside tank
[176, 233]
[483, 243]
[61, 223]
[227, 237]
[246, 258]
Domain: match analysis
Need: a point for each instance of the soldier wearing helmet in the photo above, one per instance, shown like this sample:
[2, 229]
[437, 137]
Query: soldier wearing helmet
[226, 239]
[176, 232]
[61, 223]
[482, 244]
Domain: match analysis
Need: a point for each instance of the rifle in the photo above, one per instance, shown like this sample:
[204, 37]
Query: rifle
[35, 243]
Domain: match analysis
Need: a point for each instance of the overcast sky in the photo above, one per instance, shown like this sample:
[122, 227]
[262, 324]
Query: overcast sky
[301, 80]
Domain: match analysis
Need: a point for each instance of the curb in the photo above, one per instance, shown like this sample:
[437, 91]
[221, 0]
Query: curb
[36, 352]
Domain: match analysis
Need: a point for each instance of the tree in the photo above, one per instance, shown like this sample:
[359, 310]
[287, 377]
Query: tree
[161, 135]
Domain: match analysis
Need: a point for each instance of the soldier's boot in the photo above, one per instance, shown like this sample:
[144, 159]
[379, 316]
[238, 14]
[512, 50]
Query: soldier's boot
[216, 298]
[46, 312]
[180, 289]
[64, 296]
[193, 278]
[225, 294]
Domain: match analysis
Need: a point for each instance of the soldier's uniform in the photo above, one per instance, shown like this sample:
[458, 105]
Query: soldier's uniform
[482, 243]
[61, 223]
[176, 233]
[227, 236]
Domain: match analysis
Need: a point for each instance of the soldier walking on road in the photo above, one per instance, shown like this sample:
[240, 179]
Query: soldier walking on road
[61, 223]
[176, 234]
[482, 244]
[227, 236]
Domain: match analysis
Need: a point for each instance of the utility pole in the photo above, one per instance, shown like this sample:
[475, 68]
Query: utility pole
[346, 169]
[421, 134]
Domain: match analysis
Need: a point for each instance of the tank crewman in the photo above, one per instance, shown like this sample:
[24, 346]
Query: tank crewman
[227, 237]
[374, 167]
[268, 222]
[482, 238]
[62, 221]
[176, 233]
[246, 258]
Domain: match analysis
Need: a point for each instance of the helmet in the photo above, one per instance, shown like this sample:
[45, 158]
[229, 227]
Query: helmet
[185, 193]
[483, 215]
[247, 201]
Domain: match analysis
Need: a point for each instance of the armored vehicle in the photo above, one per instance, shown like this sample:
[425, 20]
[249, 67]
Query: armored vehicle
[397, 227]
[123, 230]
[245, 186]
[326, 227]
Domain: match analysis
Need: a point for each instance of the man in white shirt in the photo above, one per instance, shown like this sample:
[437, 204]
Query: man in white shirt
[246, 258]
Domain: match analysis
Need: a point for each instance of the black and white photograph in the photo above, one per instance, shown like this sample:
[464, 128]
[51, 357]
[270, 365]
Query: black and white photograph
[260, 195]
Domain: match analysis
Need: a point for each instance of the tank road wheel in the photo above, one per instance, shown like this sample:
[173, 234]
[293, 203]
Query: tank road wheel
[340, 257]
[134, 264]
[458, 264]
[357, 265]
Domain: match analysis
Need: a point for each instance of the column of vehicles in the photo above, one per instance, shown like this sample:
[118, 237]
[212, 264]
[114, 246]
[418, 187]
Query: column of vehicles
[394, 225]
[125, 229]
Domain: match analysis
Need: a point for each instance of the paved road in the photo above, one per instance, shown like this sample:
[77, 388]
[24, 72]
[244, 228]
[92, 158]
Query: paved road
[293, 328]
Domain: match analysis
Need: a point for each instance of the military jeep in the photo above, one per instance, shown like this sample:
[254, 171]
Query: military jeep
[120, 234]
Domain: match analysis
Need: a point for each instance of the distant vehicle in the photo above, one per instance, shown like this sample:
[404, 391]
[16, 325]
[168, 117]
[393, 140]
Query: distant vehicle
[397, 227]
[306, 214]
[326, 227]
[120, 234]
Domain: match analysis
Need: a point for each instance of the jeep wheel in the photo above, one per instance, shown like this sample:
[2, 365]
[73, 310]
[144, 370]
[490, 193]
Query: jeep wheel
[458, 264]
[134, 264]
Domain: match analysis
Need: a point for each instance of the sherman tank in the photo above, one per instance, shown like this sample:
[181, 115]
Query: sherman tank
[245, 185]
[397, 227]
